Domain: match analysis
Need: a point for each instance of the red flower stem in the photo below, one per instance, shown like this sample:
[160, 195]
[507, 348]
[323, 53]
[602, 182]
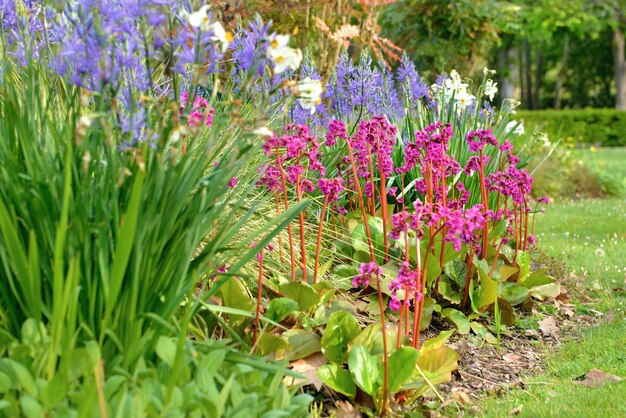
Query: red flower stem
[483, 193]
[417, 319]
[468, 275]
[302, 241]
[384, 209]
[258, 300]
[289, 231]
[380, 293]
[495, 260]
[319, 239]
[280, 238]
[516, 231]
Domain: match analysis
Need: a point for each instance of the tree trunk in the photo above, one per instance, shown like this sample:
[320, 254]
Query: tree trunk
[558, 89]
[507, 71]
[619, 62]
[538, 78]
[528, 75]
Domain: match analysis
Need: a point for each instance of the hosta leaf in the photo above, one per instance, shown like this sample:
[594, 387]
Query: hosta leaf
[337, 379]
[364, 369]
[341, 328]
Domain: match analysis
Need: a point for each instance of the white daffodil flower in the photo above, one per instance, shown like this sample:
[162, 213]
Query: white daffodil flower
[220, 36]
[309, 93]
[264, 131]
[200, 19]
[490, 89]
[463, 99]
[278, 41]
[487, 71]
[283, 58]
[518, 126]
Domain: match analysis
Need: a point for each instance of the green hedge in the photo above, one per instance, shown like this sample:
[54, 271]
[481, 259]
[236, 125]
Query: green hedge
[605, 127]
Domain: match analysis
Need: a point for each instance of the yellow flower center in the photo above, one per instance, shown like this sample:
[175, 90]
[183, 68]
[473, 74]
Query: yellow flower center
[274, 44]
[280, 59]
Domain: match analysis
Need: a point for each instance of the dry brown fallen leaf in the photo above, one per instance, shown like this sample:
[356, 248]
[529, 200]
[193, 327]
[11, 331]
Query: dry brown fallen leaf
[346, 410]
[516, 410]
[461, 398]
[308, 367]
[511, 358]
[595, 377]
[549, 328]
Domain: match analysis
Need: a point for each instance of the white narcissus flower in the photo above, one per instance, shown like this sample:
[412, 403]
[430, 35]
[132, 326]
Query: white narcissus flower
[278, 41]
[490, 89]
[200, 19]
[264, 131]
[487, 71]
[284, 58]
[309, 93]
[220, 36]
[518, 126]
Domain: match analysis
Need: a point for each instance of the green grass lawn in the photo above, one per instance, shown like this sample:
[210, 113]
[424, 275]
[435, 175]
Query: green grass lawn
[589, 236]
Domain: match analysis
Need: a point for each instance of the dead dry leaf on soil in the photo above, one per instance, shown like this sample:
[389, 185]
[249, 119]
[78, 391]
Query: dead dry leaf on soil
[549, 328]
[308, 367]
[346, 410]
[595, 377]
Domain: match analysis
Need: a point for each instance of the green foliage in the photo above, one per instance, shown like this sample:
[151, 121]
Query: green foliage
[214, 380]
[605, 127]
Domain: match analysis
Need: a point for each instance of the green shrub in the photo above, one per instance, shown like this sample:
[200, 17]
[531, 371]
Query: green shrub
[604, 127]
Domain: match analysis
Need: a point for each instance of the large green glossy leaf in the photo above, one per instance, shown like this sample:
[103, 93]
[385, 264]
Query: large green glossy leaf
[545, 291]
[234, 296]
[301, 292]
[438, 364]
[401, 366]
[166, 350]
[514, 293]
[523, 259]
[269, 343]
[302, 343]
[457, 318]
[281, 308]
[449, 290]
[338, 379]
[359, 239]
[364, 369]
[487, 292]
[456, 270]
[435, 343]
[537, 278]
[341, 328]
[427, 312]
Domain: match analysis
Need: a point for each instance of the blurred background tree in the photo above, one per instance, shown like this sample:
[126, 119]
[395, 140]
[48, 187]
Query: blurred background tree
[548, 53]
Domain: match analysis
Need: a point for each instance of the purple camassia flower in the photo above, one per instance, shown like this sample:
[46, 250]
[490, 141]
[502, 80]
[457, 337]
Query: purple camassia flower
[412, 87]
[366, 271]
